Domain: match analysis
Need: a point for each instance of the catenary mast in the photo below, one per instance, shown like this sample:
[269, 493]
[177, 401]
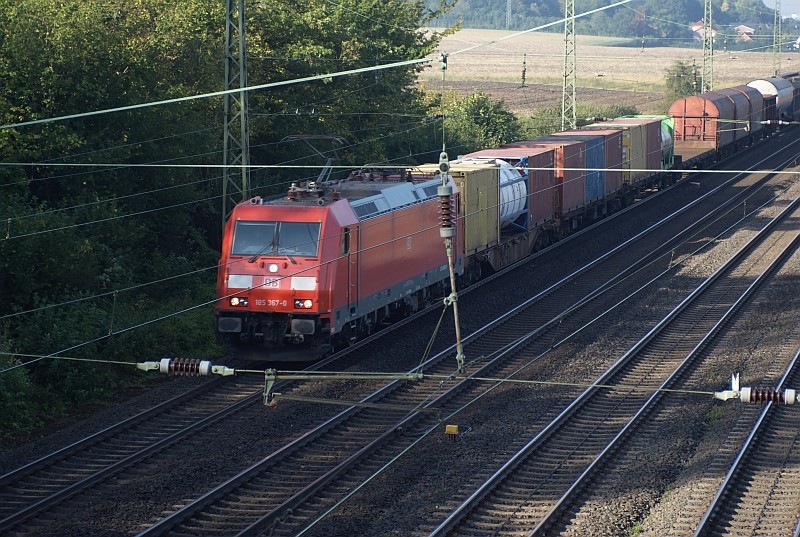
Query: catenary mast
[568, 114]
[236, 144]
[776, 40]
[707, 78]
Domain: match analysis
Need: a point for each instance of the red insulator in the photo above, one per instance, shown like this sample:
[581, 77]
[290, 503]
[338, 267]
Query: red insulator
[765, 395]
[185, 366]
[446, 211]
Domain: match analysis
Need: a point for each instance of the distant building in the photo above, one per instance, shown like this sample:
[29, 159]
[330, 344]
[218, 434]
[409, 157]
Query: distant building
[744, 34]
[698, 31]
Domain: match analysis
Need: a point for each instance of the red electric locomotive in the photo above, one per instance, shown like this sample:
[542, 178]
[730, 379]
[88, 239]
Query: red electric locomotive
[329, 262]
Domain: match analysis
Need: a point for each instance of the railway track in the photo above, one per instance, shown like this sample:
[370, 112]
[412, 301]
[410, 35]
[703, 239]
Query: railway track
[40, 485]
[46, 484]
[760, 494]
[536, 489]
[310, 476]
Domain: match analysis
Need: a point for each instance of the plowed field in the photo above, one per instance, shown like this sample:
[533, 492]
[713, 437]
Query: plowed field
[492, 61]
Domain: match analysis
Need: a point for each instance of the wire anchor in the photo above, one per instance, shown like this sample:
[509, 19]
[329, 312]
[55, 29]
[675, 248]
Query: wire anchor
[269, 382]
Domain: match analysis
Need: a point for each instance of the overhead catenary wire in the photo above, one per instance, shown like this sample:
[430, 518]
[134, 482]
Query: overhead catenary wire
[116, 166]
[472, 47]
[8, 236]
[386, 375]
[112, 166]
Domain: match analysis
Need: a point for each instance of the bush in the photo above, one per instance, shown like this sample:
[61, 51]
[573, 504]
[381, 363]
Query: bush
[18, 410]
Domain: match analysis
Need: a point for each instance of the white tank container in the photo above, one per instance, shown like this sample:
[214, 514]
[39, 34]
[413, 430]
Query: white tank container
[513, 189]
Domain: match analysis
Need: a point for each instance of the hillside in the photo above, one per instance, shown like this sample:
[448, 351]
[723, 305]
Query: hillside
[651, 18]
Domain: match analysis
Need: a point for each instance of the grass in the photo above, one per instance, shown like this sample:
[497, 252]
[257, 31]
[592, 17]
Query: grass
[715, 414]
[635, 530]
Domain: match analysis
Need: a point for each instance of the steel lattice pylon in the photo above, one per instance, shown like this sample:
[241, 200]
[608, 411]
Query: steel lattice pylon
[707, 77]
[568, 117]
[776, 40]
[236, 144]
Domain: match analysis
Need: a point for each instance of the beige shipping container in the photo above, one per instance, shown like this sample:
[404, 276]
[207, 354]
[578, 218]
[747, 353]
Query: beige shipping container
[480, 204]
[479, 210]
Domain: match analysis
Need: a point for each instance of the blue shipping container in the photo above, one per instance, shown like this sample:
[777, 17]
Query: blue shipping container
[595, 162]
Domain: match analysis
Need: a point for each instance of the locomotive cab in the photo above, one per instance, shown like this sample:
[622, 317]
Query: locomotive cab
[270, 282]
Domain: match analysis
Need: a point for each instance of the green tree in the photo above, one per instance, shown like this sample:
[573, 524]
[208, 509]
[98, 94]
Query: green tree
[666, 19]
[681, 80]
[89, 252]
[476, 122]
[380, 113]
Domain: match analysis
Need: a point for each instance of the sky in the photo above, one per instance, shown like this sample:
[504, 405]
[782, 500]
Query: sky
[788, 7]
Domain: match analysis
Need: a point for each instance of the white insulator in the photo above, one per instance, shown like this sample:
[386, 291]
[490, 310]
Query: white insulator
[164, 368]
[744, 394]
[205, 368]
[790, 396]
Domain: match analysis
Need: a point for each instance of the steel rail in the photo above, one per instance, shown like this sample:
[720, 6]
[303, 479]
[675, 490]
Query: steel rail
[751, 444]
[302, 495]
[514, 462]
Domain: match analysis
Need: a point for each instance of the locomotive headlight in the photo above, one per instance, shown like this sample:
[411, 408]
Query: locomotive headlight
[239, 301]
[303, 304]
[273, 268]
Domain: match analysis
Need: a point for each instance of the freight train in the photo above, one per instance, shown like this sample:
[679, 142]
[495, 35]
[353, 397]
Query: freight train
[330, 262]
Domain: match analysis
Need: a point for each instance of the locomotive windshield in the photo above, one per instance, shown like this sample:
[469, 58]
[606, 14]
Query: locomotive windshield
[276, 238]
